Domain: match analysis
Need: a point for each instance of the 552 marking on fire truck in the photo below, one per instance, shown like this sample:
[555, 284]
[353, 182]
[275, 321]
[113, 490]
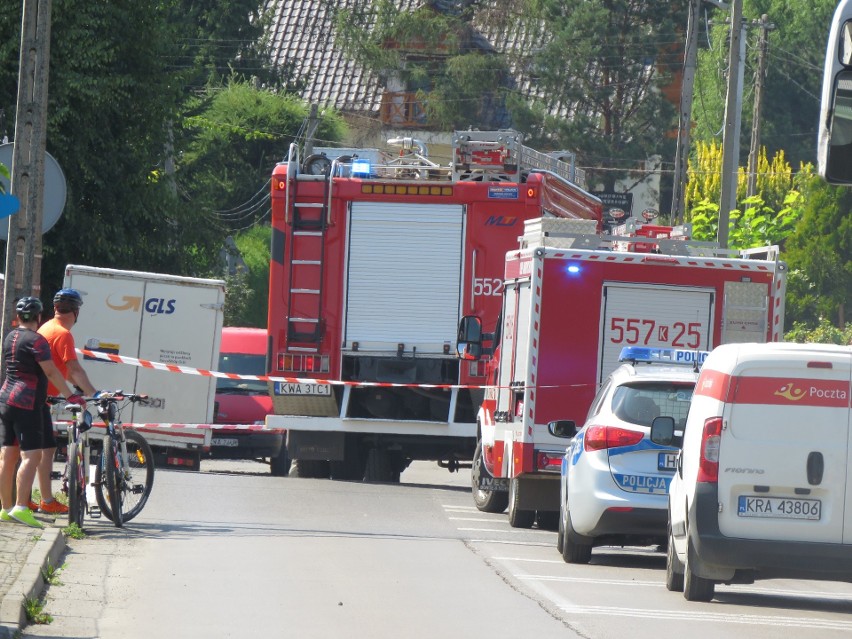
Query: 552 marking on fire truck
[487, 286]
[633, 330]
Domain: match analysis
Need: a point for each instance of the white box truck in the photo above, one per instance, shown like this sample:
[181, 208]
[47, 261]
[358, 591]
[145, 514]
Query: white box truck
[159, 318]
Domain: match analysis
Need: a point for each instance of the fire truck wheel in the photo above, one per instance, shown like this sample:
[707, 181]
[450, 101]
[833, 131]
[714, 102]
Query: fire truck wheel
[488, 501]
[309, 469]
[518, 518]
[379, 468]
[576, 549]
[279, 466]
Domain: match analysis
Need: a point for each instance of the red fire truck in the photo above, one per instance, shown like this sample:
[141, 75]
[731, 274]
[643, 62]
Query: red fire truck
[571, 302]
[374, 260]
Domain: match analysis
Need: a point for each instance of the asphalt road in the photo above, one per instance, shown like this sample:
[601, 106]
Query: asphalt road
[234, 552]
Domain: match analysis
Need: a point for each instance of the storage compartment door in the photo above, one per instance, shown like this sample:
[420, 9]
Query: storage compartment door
[404, 277]
[653, 316]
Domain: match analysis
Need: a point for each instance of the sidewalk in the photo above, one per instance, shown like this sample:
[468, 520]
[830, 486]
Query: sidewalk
[24, 551]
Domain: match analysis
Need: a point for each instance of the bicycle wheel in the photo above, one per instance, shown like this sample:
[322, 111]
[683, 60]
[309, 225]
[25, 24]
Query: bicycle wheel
[76, 484]
[134, 489]
[109, 482]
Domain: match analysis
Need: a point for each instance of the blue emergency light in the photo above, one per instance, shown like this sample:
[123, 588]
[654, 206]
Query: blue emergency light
[361, 167]
[662, 356]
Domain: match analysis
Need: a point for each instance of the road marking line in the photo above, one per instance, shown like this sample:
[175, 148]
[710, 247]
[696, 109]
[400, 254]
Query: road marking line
[506, 530]
[506, 541]
[697, 615]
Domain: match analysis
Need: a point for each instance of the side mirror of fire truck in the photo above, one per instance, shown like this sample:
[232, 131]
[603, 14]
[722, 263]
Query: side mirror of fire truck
[663, 432]
[469, 343]
[564, 428]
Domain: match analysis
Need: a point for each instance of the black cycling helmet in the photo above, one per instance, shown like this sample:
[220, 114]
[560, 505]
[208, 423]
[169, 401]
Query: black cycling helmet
[67, 300]
[29, 308]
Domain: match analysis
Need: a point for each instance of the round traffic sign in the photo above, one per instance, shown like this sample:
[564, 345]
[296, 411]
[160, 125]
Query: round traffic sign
[54, 189]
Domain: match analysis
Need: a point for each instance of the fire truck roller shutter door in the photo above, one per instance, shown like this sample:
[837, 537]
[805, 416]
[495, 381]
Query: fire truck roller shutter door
[404, 276]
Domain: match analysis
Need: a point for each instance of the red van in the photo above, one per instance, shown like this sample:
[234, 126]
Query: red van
[243, 351]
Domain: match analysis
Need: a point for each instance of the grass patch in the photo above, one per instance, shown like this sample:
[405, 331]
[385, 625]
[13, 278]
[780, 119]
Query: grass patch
[34, 609]
[74, 531]
[50, 574]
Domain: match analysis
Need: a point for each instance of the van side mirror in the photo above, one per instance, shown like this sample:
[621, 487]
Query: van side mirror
[564, 428]
[469, 343]
[663, 432]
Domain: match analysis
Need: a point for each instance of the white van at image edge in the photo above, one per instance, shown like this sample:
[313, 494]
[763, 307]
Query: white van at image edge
[762, 488]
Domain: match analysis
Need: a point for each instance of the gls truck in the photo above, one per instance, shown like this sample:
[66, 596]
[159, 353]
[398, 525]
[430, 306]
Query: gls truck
[571, 302]
[159, 318]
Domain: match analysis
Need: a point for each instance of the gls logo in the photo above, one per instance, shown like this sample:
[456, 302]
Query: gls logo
[153, 305]
[159, 306]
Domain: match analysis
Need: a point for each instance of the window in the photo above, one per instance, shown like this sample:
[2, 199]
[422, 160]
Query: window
[641, 403]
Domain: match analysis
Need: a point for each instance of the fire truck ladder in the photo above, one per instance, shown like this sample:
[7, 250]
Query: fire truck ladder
[310, 221]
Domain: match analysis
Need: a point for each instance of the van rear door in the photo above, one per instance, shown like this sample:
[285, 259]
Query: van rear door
[784, 450]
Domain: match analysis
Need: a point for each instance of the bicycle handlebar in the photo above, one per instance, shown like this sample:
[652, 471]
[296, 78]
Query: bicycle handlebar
[104, 397]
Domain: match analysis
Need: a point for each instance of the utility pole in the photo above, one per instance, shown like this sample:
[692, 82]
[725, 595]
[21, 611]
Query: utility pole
[759, 75]
[685, 116]
[313, 123]
[733, 117]
[23, 244]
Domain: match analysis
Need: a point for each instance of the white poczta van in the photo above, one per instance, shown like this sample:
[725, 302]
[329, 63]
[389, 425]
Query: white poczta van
[762, 487]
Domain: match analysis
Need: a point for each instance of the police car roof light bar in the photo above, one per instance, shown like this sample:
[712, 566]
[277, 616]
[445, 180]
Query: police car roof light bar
[676, 356]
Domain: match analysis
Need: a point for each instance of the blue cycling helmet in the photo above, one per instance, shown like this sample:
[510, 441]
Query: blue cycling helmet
[67, 300]
[29, 308]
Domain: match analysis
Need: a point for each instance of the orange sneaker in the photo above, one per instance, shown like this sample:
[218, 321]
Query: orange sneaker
[53, 507]
[33, 506]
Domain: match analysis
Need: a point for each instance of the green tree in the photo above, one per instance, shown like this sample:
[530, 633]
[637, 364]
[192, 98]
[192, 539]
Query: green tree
[604, 68]
[796, 54]
[247, 299]
[819, 253]
[139, 139]
[232, 145]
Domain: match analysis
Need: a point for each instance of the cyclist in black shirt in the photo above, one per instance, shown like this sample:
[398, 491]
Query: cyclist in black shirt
[22, 399]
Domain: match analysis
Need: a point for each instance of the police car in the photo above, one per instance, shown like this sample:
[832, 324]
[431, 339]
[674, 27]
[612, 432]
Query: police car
[615, 481]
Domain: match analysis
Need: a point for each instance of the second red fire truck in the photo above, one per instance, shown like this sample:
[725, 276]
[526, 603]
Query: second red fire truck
[374, 260]
[571, 301]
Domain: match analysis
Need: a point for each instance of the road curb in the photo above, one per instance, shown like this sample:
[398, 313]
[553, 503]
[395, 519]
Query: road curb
[30, 583]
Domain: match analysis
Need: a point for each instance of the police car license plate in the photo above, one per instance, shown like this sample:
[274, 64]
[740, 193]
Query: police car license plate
[305, 388]
[778, 507]
[667, 461]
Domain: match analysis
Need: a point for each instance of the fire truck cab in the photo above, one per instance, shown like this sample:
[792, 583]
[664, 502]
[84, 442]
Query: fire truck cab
[375, 256]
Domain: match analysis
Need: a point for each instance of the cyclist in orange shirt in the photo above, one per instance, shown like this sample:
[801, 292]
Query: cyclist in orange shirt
[57, 332]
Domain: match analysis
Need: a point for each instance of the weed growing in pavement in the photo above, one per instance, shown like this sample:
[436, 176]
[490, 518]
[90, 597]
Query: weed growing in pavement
[50, 574]
[34, 609]
[74, 531]
[35, 537]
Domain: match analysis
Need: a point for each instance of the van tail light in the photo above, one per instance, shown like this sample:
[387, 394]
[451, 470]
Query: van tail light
[708, 465]
[603, 437]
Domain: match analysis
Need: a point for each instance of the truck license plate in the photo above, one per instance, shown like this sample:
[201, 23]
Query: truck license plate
[778, 507]
[286, 388]
[233, 442]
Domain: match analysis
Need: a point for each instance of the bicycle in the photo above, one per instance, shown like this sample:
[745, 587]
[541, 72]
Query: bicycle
[125, 473]
[78, 458]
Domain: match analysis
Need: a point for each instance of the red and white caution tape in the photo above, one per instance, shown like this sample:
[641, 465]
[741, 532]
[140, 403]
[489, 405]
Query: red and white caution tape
[187, 370]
